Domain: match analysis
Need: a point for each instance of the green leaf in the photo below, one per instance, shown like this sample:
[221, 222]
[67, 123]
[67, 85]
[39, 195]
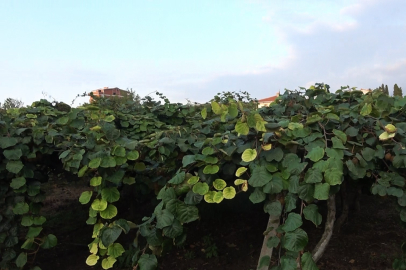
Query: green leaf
[386, 136]
[293, 222]
[293, 126]
[313, 119]
[94, 163]
[242, 128]
[178, 178]
[14, 166]
[62, 121]
[307, 262]
[39, 220]
[188, 159]
[6, 142]
[204, 113]
[115, 250]
[164, 218]
[108, 262]
[110, 194]
[108, 162]
[229, 193]
[316, 154]
[337, 143]
[260, 177]
[21, 259]
[264, 262]
[211, 169]
[207, 151]
[201, 188]
[193, 180]
[33, 232]
[335, 153]
[216, 108]
[218, 197]
[296, 240]
[21, 208]
[366, 109]
[274, 186]
[219, 184]
[82, 171]
[290, 202]
[233, 110]
[129, 180]
[14, 154]
[273, 242]
[333, 176]
[249, 155]
[273, 208]
[311, 213]
[109, 118]
[321, 191]
[110, 235]
[148, 262]
[352, 131]
[27, 221]
[257, 196]
[109, 212]
[99, 205]
[240, 171]
[187, 213]
[313, 175]
[96, 181]
[133, 155]
[49, 241]
[85, 197]
[92, 259]
[341, 135]
[16, 183]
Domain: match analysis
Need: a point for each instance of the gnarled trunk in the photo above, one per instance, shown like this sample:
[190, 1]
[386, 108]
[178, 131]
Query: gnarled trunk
[266, 252]
[328, 229]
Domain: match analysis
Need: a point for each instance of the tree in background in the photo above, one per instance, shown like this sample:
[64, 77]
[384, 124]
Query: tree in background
[386, 91]
[11, 103]
[397, 91]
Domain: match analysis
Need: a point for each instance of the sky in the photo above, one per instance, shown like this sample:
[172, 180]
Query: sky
[192, 50]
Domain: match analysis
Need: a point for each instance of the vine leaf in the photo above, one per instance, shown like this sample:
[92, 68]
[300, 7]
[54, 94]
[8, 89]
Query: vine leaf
[249, 155]
[147, 262]
[109, 212]
[315, 154]
[308, 263]
[229, 193]
[260, 177]
[296, 240]
[85, 197]
[92, 259]
[201, 188]
[219, 184]
[321, 191]
[311, 213]
[21, 259]
[115, 250]
[108, 262]
[99, 205]
[293, 222]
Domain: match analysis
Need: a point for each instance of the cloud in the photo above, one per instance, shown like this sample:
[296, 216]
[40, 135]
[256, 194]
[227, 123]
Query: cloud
[364, 50]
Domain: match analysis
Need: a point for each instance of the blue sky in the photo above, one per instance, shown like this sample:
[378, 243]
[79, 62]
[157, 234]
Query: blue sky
[195, 49]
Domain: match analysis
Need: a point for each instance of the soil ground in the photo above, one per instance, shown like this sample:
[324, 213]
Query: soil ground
[370, 239]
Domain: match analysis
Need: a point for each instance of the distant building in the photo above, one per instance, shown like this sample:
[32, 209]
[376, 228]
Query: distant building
[265, 102]
[109, 92]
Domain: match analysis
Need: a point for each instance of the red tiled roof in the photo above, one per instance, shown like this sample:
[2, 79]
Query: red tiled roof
[268, 99]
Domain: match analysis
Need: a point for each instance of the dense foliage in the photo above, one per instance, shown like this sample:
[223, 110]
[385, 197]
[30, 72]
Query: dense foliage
[288, 156]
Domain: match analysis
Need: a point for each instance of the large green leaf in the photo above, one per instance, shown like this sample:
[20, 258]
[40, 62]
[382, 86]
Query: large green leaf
[257, 196]
[201, 188]
[311, 213]
[115, 250]
[6, 142]
[333, 176]
[110, 194]
[313, 175]
[242, 128]
[108, 262]
[321, 191]
[293, 222]
[219, 184]
[315, 154]
[49, 241]
[13, 154]
[211, 169]
[99, 204]
[249, 155]
[110, 234]
[178, 178]
[14, 166]
[260, 177]
[307, 262]
[21, 259]
[85, 197]
[21, 208]
[16, 183]
[148, 262]
[164, 218]
[273, 208]
[296, 240]
[109, 212]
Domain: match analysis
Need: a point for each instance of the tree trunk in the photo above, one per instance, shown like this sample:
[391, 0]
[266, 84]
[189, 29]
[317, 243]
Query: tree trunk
[273, 224]
[344, 204]
[328, 229]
